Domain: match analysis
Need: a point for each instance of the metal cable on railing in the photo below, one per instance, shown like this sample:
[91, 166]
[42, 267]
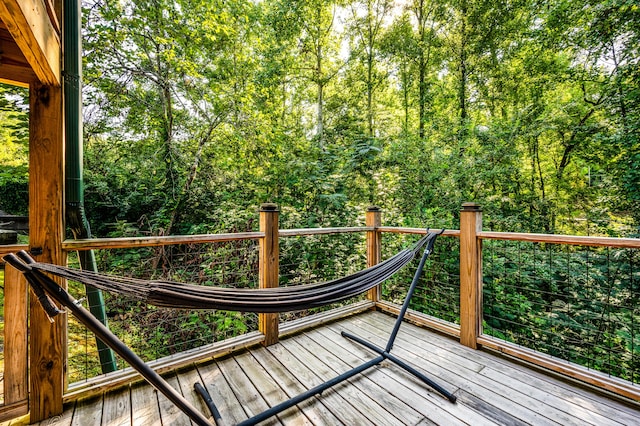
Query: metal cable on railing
[306, 259]
[575, 303]
[438, 291]
[154, 332]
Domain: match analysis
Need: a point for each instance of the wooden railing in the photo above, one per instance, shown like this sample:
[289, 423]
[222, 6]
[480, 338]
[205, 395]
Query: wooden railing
[469, 330]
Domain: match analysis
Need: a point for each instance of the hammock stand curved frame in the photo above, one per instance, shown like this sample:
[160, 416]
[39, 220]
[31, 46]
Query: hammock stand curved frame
[46, 289]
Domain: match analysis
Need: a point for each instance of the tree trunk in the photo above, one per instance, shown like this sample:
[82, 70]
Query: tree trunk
[462, 87]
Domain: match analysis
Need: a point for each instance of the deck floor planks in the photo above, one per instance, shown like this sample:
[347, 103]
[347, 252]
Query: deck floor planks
[214, 381]
[579, 403]
[245, 392]
[312, 408]
[144, 404]
[269, 389]
[116, 410]
[490, 389]
[538, 392]
[63, 419]
[371, 383]
[187, 377]
[445, 370]
[170, 414]
[363, 403]
[331, 399]
[412, 390]
[88, 412]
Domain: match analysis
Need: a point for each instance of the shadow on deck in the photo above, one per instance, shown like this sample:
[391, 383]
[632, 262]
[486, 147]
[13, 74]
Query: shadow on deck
[490, 389]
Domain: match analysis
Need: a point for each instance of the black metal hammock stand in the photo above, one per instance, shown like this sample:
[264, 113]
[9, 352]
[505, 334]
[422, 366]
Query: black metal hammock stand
[186, 296]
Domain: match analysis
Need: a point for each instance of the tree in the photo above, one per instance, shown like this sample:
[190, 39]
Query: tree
[366, 26]
[14, 150]
[161, 72]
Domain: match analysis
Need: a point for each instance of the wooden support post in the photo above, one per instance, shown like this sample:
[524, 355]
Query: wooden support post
[374, 246]
[47, 348]
[15, 339]
[269, 268]
[470, 275]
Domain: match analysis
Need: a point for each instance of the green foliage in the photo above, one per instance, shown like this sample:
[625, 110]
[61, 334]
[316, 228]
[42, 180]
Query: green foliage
[14, 147]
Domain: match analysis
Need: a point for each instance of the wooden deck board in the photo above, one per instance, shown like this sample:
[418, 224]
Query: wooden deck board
[362, 403]
[519, 405]
[446, 372]
[269, 390]
[313, 408]
[369, 385]
[116, 410]
[170, 414]
[330, 399]
[491, 390]
[212, 378]
[245, 392]
[88, 412]
[541, 391]
[412, 390]
[144, 399]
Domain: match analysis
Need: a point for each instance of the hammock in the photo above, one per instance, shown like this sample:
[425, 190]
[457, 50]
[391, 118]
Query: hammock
[170, 294]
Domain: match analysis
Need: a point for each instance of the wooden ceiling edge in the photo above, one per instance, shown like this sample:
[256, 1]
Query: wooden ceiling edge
[31, 28]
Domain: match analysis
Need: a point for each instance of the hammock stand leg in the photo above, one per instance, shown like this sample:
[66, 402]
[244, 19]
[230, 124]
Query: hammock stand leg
[382, 355]
[385, 353]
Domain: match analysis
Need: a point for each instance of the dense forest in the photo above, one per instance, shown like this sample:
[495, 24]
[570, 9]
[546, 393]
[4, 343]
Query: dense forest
[197, 111]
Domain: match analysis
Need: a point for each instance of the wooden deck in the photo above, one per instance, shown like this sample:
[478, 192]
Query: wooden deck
[490, 389]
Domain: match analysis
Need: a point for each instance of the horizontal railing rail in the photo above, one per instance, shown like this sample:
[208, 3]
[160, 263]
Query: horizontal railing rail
[12, 248]
[156, 241]
[562, 239]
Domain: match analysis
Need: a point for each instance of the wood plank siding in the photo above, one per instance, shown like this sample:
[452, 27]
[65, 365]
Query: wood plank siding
[491, 390]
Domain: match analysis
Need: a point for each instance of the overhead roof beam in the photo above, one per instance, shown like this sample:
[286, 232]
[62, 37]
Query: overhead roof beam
[30, 26]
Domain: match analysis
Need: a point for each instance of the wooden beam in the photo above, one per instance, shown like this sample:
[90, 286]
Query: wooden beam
[14, 68]
[576, 240]
[133, 242]
[470, 274]
[29, 24]
[12, 411]
[269, 268]
[373, 219]
[47, 344]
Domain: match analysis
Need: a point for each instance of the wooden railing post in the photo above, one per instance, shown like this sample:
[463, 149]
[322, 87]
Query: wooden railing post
[47, 341]
[269, 268]
[470, 274]
[373, 218]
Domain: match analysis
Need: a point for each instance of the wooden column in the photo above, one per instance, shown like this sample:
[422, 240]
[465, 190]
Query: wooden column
[374, 245]
[470, 275]
[47, 347]
[269, 268]
[15, 342]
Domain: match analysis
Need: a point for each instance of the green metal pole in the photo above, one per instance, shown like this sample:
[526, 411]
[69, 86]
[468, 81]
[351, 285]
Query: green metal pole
[74, 185]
